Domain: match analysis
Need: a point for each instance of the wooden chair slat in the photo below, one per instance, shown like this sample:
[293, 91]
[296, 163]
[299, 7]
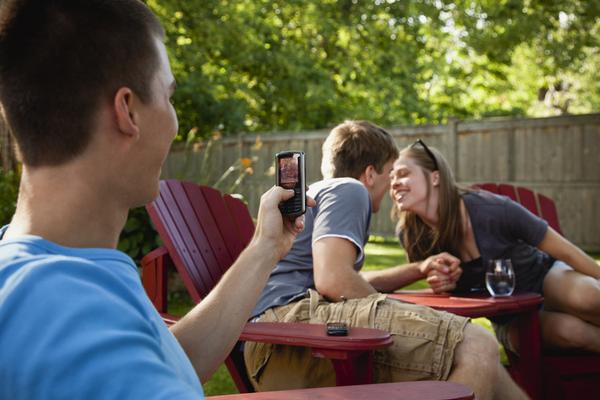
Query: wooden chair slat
[508, 190]
[549, 213]
[527, 198]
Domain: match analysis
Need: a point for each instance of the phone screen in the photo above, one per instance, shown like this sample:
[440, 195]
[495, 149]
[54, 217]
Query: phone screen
[291, 174]
[288, 171]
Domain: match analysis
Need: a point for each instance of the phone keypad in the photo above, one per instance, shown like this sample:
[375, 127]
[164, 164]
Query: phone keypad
[293, 205]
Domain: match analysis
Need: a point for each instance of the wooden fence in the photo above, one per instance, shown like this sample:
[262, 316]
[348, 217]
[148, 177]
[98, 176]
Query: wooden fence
[557, 156]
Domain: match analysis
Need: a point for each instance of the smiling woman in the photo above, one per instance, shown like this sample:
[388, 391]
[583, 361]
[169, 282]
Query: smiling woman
[475, 226]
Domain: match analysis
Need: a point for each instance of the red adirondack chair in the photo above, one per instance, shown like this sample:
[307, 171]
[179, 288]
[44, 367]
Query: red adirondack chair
[565, 375]
[203, 233]
[537, 203]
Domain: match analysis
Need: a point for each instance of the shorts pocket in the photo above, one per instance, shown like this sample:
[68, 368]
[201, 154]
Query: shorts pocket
[256, 357]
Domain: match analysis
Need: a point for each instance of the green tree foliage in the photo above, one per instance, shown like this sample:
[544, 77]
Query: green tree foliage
[9, 187]
[548, 50]
[261, 65]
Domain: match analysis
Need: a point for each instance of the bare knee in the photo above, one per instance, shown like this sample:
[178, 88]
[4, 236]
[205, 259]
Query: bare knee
[478, 346]
[585, 300]
[564, 330]
[571, 292]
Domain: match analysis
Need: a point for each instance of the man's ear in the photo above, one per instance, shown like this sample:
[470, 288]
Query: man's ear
[435, 178]
[125, 111]
[368, 176]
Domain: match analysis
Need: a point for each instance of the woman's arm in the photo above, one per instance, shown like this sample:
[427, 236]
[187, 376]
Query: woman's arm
[390, 279]
[565, 251]
[441, 270]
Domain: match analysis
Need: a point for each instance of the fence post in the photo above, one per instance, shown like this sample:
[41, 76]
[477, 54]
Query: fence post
[452, 145]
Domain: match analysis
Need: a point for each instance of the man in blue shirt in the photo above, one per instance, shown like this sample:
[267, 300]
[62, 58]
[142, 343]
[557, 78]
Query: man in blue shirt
[85, 87]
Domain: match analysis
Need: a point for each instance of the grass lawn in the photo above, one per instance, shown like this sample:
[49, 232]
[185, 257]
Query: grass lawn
[380, 254]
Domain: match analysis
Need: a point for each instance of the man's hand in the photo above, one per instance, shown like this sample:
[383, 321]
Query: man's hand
[273, 231]
[442, 272]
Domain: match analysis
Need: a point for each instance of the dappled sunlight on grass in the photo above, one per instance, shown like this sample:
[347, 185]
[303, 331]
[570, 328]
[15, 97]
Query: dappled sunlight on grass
[220, 383]
[383, 255]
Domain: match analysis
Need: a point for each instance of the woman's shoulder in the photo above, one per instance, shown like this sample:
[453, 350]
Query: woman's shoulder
[481, 198]
[484, 206]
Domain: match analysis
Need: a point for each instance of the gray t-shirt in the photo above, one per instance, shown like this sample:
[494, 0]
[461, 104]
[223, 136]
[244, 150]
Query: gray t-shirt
[343, 210]
[505, 229]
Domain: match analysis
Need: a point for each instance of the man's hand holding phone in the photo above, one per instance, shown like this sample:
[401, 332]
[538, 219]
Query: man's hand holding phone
[277, 223]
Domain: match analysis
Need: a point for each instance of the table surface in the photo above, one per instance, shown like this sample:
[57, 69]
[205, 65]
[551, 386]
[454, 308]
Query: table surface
[475, 305]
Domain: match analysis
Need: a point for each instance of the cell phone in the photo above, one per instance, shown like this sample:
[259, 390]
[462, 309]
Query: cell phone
[291, 174]
[337, 329]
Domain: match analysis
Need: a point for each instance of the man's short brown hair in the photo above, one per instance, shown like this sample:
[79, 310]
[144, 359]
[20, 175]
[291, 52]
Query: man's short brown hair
[61, 59]
[354, 145]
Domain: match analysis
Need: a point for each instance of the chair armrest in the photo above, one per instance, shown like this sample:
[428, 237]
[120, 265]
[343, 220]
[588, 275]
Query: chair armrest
[315, 336]
[154, 276]
[426, 390]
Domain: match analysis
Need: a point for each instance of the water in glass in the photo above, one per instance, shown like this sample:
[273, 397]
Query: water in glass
[500, 278]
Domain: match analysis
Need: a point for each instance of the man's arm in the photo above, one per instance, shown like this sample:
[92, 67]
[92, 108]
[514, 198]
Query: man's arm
[210, 330]
[335, 278]
[390, 279]
[441, 270]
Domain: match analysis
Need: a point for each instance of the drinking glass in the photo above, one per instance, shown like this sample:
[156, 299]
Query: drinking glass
[500, 277]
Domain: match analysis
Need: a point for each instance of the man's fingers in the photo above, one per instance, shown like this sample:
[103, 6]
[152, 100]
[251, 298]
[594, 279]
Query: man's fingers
[285, 194]
[435, 279]
[274, 196]
[456, 274]
[448, 259]
[280, 194]
[299, 223]
[436, 268]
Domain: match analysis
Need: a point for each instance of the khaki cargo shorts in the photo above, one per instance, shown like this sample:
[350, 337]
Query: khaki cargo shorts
[423, 348]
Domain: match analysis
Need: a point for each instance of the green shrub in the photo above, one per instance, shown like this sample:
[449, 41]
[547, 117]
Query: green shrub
[9, 188]
[138, 237]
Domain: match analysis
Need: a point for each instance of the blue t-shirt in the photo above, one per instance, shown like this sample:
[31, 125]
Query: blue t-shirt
[77, 324]
[343, 210]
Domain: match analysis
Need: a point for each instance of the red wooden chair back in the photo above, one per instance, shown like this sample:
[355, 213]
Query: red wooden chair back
[242, 218]
[198, 232]
[537, 203]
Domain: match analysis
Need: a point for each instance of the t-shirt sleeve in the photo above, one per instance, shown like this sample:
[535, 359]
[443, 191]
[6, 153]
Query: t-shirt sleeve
[344, 211]
[71, 336]
[523, 224]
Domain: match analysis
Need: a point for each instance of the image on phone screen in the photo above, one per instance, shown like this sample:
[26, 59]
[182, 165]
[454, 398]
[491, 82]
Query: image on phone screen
[288, 174]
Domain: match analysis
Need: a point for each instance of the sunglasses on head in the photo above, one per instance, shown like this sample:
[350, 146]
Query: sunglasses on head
[428, 151]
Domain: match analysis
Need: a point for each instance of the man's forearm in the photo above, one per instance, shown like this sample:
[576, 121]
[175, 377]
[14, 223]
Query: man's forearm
[392, 279]
[209, 331]
[350, 285]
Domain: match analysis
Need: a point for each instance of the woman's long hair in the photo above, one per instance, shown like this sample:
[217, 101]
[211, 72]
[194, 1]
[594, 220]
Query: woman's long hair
[419, 240]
